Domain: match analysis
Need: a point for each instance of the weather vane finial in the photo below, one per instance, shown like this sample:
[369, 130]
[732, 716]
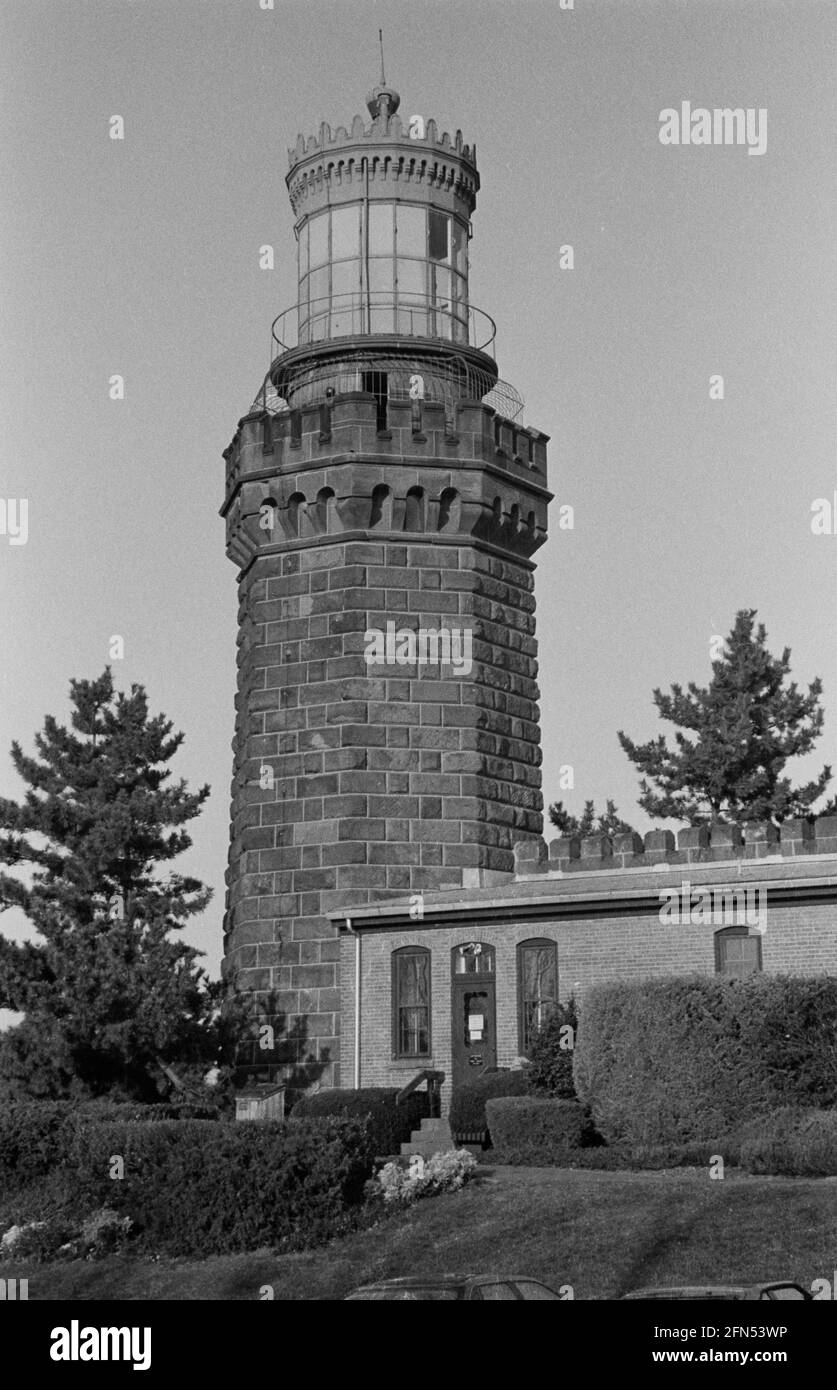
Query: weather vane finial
[381, 42]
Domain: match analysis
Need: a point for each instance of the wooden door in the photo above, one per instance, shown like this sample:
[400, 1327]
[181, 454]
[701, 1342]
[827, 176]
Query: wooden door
[473, 1011]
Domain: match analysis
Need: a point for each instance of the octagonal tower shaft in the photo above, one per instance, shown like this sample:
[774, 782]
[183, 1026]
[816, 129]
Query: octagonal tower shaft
[382, 514]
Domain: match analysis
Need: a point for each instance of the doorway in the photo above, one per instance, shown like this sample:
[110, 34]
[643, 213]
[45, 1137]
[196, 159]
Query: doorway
[473, 1012]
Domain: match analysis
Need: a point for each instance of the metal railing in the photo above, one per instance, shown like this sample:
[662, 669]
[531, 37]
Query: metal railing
[448, 378]
[382, 312]
[434, 1081]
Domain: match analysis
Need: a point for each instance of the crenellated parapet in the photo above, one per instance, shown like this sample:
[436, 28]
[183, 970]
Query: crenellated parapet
[703, 844]
[408, 156]
[331, 473]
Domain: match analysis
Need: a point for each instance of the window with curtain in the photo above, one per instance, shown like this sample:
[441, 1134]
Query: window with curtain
[411, 1002]
[537, 987]
[737, 954]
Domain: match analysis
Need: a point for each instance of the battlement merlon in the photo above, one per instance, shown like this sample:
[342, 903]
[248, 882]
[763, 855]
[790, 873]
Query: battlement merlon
[349, 162]
[703, 844]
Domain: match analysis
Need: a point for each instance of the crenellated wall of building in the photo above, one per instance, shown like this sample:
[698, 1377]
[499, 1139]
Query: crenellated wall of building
[694, 845]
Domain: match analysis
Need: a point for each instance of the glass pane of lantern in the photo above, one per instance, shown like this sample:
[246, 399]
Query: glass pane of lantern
[412, 231]
[381, 234]
[411, 278]
[318, 227]
[345, 234]
[439, 236]
[460, 247]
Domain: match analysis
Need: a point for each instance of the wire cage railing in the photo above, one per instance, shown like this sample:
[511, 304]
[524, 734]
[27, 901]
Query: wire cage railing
[443, 378]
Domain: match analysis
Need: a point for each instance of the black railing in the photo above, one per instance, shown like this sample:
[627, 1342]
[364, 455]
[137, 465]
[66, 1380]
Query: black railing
[382, 312]
[434, 1081]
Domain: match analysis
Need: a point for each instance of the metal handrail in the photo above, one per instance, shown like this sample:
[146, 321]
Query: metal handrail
[293, 327]
[434, 1081]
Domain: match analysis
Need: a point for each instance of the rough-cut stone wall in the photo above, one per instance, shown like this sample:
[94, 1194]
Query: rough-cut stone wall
[355, 782]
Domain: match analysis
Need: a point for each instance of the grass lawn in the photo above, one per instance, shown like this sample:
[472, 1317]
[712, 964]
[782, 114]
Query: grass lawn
[603, 1233]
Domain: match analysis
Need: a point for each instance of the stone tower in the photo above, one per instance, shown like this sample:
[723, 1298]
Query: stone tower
[383, 503]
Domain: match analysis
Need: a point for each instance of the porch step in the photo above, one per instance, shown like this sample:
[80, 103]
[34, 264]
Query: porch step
[434, 1137]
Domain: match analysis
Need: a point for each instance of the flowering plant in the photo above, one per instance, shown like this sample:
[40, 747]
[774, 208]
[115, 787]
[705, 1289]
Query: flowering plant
[444, 1172]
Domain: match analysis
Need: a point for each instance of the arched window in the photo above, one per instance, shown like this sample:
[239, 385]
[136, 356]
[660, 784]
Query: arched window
[737, 953]
[449, 509]
[411, 1002]
[537, 988]
[296, 502]
[414, 510]
[381, 513]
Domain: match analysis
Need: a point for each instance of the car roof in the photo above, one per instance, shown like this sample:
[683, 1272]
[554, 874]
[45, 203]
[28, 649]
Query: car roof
[741, 1291]
[421, 1281]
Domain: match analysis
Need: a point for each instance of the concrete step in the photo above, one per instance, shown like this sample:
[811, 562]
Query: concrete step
[426, 1148]
[434, 1127]
[434, 1137]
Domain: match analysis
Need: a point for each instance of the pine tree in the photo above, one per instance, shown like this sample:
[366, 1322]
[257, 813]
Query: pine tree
[609, 823]
[746, 724]
[111, 1001]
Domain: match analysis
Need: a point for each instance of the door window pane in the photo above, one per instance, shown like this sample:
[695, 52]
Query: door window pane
[497, 1292]
[439, 226]
[345, 233]
[381, 229]
[412, 231]
[319, 239]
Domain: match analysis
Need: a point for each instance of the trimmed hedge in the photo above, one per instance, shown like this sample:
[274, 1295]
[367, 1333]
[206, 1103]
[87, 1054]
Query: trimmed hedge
[203, 1187]
[671, 1061]
[534, 1130]
[390, 1125]
[37, 1135]
[468, 1121]
[550, 1069]
[800, 1142]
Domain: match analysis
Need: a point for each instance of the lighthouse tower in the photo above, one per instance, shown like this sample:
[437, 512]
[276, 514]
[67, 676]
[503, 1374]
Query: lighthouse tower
[383, 504]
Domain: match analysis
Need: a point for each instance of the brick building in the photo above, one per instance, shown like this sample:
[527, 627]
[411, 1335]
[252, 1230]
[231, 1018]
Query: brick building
[456, 981]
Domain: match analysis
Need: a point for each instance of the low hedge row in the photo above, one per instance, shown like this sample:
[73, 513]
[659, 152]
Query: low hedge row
[37, 1135]
[390, 1124]
[671, 1061]
[203, 1187]
[794, 1140]
[535, 1131]
[468, 1119]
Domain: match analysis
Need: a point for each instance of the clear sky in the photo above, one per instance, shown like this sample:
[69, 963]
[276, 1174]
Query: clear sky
[140, 258]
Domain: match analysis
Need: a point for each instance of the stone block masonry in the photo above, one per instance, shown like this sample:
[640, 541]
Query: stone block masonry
[356, 782]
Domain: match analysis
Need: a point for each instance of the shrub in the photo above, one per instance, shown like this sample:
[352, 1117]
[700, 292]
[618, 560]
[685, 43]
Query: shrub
[672, 1061]
[801, 1142]
[550, 1069]
[535, 1130]
[201, 1187]
[444, 1172]
[390, 1125]
[468, 1122]
[36, 1136]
